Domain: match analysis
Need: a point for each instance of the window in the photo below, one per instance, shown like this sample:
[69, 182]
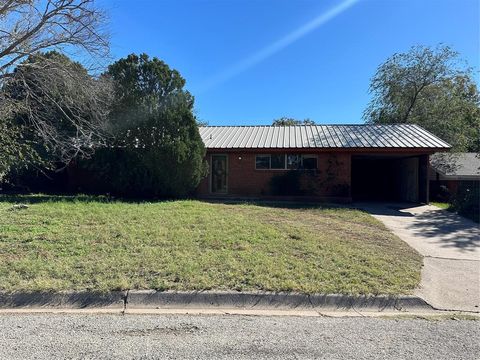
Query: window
[277, 161]
[294, 162]
[286, 162]
[262, 162]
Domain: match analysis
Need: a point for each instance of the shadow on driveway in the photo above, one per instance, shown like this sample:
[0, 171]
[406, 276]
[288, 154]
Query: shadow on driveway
[455, 230]
[427, 228]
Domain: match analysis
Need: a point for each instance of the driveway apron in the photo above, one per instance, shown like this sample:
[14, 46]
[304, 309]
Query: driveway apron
[450, 245]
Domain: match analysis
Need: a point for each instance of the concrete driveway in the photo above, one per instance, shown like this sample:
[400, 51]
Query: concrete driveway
[450, 245]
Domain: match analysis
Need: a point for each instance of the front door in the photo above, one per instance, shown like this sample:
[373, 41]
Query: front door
[219, 173]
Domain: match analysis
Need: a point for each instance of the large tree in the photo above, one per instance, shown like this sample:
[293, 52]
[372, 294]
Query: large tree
[57, 111]
[156, 148]
[48, 100]
[431, 88]
[60, 104]
[30, 26]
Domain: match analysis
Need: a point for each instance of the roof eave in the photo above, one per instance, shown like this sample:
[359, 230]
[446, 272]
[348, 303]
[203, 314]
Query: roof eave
[332, 149]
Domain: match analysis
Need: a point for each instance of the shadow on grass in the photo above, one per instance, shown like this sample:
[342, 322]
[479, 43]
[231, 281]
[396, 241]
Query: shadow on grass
[281, 204]
[26, 198]
[42, 198]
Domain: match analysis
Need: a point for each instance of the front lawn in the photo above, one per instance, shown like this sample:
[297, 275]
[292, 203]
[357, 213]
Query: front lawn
[78, 243]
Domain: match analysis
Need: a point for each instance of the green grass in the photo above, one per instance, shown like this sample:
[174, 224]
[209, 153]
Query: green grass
[449, 207]
[441, 205]
[85, 243]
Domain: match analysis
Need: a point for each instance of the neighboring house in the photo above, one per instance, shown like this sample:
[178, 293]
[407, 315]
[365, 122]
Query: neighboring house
[449, 172]
[319, 162]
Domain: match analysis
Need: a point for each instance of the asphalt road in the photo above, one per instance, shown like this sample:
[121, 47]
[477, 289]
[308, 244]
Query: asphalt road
[55, 336]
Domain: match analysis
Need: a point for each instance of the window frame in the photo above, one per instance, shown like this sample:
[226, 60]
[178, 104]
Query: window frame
[269, 161]
[284, 161]
[285, 166]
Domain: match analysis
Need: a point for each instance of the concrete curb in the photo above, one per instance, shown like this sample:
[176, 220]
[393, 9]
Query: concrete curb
[151, 299]
[64, 300]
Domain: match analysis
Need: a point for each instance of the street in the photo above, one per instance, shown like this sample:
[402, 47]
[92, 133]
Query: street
[81, 336]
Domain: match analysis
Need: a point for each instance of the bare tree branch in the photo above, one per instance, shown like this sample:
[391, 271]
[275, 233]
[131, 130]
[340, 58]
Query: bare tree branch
[49, 99]
[29, 26]
[63, 106]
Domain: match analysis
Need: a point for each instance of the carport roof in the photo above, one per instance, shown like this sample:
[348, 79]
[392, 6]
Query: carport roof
[401, 136]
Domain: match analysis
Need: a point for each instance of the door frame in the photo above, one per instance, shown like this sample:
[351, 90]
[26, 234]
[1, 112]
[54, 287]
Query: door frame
[211, 173]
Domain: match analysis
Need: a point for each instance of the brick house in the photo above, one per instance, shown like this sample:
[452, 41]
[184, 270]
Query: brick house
[319, 162]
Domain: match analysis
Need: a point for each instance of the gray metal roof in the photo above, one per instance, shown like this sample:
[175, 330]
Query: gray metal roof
[457, 165]
[319, 136]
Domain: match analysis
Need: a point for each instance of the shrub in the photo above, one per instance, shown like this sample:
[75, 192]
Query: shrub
[288, 184]
[156, 148]
[466, 202]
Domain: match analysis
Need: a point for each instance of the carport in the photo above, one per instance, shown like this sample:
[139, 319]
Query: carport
[390, 177]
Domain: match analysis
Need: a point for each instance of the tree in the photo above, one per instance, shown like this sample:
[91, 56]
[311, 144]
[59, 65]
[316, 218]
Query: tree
[58, 111]
[431, 88]
[31, 83]
[15, 150]
[286, 121]
[156, 149]
[30, 26]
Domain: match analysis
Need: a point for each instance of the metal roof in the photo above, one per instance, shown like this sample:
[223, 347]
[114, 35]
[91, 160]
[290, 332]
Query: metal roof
[319, 136]
[457, 165]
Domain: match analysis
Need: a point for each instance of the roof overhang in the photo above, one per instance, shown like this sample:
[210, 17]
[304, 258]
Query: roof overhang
[417, 151]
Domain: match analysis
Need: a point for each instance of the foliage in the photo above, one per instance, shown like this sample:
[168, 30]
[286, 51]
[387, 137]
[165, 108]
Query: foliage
[287, 184]
[88, 243]
[58, 104]
[28, 27]
[156, 148]
[325, 181]
[466, 201]
[17, 153]
[431, 88]
[28, 85]
[331, 181]
[286, 121]
[340, 190]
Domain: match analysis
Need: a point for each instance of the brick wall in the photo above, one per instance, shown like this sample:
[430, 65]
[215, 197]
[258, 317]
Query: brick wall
[332, 179]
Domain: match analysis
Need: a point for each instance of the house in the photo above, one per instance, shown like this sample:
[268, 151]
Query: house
[319, 162]
[449, 172]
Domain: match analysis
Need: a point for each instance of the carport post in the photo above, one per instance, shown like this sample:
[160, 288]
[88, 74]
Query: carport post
[423, 186]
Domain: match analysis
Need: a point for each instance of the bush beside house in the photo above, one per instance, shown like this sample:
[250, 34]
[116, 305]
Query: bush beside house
[156, 149]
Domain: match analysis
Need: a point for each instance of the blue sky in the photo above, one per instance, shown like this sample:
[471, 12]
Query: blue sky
[250, 61]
